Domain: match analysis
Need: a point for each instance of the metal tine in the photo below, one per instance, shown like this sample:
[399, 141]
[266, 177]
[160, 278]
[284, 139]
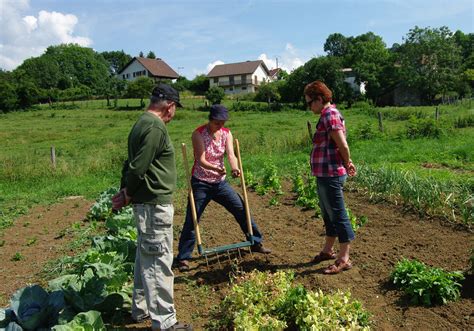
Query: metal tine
[218, 261]
[207, 262]
[240, 255]
[228, 256]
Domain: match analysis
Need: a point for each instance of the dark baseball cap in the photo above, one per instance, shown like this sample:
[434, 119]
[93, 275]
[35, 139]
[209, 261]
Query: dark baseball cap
[219, 112]
[166, 92]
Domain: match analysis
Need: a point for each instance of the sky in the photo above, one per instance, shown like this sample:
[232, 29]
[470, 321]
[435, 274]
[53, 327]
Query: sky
[193, 36]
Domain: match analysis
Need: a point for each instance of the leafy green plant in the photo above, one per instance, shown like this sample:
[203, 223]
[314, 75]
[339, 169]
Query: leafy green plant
[90, 320]
[17, 257]
[102, 208]
[356, 221]
[266, 301]
[426, 285]
[306, 191]
[33, 308]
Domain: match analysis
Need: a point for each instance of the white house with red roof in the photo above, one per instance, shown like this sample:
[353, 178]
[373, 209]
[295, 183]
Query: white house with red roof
[153, 68]
[240, 77]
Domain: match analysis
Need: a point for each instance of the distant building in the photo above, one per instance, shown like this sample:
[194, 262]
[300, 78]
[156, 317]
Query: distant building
[153, 68]
[273, 75]
[241, 77]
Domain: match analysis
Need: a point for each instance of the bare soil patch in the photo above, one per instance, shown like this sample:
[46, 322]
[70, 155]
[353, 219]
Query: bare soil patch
[295, 236]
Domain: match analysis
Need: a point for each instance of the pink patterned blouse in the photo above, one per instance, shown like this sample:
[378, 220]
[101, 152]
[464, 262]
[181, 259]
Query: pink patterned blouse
[214, 153]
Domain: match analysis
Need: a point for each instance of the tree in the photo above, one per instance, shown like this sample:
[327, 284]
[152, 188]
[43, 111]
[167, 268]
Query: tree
[215, 95]
[199, 85]
[117, 60]
[369, 58]
[268, 92]
[336, 45]
[141, 54]
[431, 61]
[8, 96]
[151, 55]
[140, 88]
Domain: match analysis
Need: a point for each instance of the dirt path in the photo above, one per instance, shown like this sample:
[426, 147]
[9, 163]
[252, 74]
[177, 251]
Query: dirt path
[295, 236]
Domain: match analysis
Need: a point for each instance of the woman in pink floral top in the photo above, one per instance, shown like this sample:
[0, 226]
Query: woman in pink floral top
[331, 163]
[211, 142]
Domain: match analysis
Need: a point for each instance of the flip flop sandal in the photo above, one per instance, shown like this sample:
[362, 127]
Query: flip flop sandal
[323, 257]
[337, 267]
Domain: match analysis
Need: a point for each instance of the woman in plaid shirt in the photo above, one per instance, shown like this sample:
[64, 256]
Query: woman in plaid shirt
[331, 163]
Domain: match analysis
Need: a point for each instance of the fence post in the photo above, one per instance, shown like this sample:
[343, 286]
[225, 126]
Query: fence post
[437, 113]
[53, 157]
[379, 115]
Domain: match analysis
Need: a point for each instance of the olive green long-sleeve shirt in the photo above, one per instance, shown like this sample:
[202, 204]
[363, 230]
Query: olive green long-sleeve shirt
[149, 174]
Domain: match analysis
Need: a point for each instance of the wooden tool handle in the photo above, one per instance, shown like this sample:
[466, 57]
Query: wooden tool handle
[244, 188]
[191, 195]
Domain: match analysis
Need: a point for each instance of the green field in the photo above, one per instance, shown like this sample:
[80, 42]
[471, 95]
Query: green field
[432, 171]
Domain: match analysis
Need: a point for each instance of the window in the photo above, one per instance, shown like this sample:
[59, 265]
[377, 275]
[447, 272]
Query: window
[123, 76]
[255, 79]
[231, 80]
[216, 80]
[243, 78]
[144, 72]
[244, 87]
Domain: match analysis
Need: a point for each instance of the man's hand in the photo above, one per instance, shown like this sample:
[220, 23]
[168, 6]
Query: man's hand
[235, 173]
[120, 200]
[351, 169]
[222, 171]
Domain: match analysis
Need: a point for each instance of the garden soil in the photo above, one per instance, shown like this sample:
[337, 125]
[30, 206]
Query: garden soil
[295, 236]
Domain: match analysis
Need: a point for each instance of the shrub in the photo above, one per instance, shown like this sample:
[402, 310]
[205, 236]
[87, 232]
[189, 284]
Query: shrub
[215, 95]
[426, 285]
[419, 128]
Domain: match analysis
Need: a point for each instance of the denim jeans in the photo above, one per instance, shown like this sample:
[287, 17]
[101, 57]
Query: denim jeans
[153, 278]
[223, 194]
[331, 201]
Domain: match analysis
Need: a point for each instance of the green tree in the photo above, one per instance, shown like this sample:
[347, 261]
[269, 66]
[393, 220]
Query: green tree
[140, 54]
[140, 88]
[43, 70]
[116, 60]
[431, 61]
[337, 45]
[199, 85]
[8, 96]
[268, 92]
[369, 58]
[151, 55]
[215, 95]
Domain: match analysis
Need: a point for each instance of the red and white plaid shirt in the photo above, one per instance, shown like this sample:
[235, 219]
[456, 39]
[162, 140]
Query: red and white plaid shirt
[326, 161]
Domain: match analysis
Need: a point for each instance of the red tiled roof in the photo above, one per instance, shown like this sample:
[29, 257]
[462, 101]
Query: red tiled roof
[273, 72]
[157, 67]
[239, 68]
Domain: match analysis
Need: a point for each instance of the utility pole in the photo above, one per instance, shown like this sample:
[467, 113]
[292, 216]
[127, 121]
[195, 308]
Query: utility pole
[179, 70]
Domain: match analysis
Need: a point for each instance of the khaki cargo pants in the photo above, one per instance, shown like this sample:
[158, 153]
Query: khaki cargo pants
[153, 277]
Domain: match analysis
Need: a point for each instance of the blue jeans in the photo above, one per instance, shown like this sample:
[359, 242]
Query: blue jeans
[223, 194]
[331, 201]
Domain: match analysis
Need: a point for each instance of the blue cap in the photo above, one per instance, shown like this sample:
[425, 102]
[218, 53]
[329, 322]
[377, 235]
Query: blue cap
[219, 112]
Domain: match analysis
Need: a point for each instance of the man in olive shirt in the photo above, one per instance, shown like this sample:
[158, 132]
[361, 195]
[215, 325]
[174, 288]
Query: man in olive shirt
[148, 182]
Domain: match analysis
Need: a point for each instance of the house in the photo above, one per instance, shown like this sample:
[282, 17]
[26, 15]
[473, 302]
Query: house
[153, 68]
[241, 77]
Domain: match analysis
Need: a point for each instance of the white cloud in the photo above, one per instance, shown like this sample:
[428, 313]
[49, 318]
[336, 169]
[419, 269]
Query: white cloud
[24, 36]
[213, 64]
[288, 60]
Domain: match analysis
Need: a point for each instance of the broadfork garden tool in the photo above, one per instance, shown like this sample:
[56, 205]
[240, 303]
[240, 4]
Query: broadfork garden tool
[226, 248]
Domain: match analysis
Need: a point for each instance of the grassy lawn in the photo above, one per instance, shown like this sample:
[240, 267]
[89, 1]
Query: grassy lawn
[90, 143]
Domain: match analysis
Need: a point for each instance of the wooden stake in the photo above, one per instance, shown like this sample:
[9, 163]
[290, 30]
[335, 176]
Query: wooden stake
[53, 157]
[379, 115]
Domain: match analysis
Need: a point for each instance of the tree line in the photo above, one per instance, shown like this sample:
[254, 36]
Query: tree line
[434, 62]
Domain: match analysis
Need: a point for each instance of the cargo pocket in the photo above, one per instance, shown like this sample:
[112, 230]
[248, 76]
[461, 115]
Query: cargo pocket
[153, 245]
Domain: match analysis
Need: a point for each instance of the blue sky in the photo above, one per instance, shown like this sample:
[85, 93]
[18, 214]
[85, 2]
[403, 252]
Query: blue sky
[192, 36]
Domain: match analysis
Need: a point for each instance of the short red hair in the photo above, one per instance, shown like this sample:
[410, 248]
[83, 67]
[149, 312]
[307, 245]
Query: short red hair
[318, 89]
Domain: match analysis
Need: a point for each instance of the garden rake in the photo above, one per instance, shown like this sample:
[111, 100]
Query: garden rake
[205, 252]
